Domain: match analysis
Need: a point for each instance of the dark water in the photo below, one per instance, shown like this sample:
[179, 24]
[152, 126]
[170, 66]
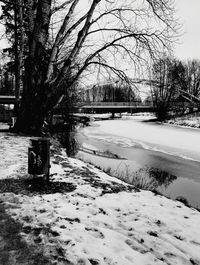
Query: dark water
[68, 139]
[170, 175]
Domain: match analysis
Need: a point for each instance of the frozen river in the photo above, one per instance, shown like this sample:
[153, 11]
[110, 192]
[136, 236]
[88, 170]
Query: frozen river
[151, 150]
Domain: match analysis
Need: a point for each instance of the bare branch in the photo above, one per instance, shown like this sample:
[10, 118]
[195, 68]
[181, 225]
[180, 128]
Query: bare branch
[13, 3]
[80, 39]
[73, 27]
[62, 6]
[59, 36]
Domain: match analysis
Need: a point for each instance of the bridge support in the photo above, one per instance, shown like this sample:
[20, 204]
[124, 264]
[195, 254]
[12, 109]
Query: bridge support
[113, 114]
[16, 108]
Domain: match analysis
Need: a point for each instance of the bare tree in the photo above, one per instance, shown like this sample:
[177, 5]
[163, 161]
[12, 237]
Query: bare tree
[105, 38]
[164, 86]
[192, 77]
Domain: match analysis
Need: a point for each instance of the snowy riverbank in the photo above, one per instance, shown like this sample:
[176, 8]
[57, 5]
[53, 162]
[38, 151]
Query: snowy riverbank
[87, 217]
[190, 120]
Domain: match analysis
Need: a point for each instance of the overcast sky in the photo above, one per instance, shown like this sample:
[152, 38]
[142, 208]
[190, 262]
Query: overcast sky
[189, 44]
[189, 13]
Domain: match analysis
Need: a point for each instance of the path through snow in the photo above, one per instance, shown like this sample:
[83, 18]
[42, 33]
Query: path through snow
[100, 221]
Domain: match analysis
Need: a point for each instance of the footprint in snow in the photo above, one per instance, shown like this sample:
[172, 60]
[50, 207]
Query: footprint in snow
[169, 255]
[178, 237]
[94, 261]
[84, 262]
[151, 233]
[102, 211]
[178, 259]
[194, 262]
[109, 261]
[108, 226]
[95, 232]
[195, 243]
[135, 246]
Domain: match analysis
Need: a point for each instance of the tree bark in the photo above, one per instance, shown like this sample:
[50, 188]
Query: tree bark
[32, 109]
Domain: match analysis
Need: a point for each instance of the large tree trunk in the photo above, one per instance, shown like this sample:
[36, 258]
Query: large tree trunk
[40, 93]
[33, 110]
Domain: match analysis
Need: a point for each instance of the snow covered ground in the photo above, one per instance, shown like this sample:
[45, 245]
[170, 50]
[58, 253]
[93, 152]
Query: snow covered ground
[89, 218]
[160, 135]
[192, 120]
[129, 131]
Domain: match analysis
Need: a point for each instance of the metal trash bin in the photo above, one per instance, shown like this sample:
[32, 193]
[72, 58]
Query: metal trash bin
[39, 157]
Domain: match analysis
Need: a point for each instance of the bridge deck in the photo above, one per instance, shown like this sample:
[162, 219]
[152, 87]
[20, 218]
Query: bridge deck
[116, 106]
[8, 99]
[120, 104]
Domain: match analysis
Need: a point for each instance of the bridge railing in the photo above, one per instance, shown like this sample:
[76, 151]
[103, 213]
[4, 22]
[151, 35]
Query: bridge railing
[125, 104]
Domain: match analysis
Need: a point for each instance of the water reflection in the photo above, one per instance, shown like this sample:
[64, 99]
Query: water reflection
[150, 178]
[147, 178]
[145, 170]
[68, 140]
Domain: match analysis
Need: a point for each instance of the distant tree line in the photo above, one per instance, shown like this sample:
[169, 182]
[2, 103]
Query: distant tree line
[111, 92]
[175, 86]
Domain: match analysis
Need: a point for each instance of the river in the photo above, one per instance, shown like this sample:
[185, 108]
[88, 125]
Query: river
[156, 156]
